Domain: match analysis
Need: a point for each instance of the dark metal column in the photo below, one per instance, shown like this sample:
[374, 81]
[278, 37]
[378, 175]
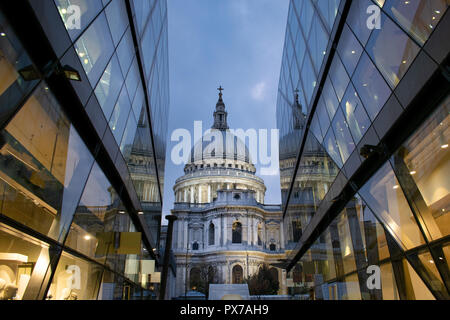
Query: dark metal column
[162, 291]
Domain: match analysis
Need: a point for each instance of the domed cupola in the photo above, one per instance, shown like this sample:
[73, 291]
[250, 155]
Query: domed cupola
[220, 160]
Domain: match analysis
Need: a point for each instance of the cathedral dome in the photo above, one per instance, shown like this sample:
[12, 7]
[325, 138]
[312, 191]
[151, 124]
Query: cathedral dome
[220, 160]
[220, 145]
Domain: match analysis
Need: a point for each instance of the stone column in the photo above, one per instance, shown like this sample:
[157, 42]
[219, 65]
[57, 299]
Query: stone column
[200, 194]
[225, 238]
[209, 193]
[185, 195]
[281, 235]
[180, 233]
[192, 194]
[185, 229]
[248, 230]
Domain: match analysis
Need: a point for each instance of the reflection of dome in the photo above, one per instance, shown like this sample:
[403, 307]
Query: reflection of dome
[290, 143]
[220, 144]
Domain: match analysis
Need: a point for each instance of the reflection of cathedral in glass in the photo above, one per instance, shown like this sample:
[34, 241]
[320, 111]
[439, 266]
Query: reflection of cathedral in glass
[315, 174]
[224, 229]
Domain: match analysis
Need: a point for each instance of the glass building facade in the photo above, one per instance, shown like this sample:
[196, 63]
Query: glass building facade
[363, 112]
[81, 162]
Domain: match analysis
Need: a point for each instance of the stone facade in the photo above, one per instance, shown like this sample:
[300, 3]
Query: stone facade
[223, 223]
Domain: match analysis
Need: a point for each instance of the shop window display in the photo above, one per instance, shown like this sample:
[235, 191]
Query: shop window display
[24, 263]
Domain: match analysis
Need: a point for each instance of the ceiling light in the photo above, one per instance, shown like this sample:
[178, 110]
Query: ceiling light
[353, 51]
[412, 172]
[122, 212]
[87, 237]
[395, 187]
[140, 212]
[431, 261]
[444, 146]
[437, 11]
[63, 11]
[3, 34]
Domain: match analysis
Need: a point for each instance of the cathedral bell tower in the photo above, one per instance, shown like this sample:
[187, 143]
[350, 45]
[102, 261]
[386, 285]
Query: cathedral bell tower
[220, 115]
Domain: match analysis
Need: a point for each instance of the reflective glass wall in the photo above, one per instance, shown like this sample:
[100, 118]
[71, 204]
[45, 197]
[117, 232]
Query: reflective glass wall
[357, 96]
[65, 230]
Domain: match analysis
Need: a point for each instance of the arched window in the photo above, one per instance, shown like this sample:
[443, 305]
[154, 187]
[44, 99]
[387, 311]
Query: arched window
[237, 232]
[237, 274]
[259, 235]
[296, 230]
[195, 246]
[211, 234]
[194, 279]
[274, 273]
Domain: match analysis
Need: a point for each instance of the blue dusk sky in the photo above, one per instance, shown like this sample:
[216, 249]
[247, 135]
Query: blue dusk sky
[234, 43]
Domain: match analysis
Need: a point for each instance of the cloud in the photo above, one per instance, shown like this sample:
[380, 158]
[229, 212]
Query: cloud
[258, 91]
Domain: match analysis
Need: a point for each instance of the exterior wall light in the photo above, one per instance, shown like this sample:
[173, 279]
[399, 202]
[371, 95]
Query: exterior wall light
[30, 73]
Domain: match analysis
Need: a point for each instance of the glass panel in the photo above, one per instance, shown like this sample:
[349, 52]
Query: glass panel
[433, 277]
[120, 115]
[44, 165]
[133, 79]
[332, 147]
[345, 240]
[306, 14]
[94, 217]
[349, 49]
[129, 137]
[352, 286]
[75, 279]
[116, 13]
[308, 79]
[355, 114]
[329, 9]
[388, 284]
[125, 51]
[419, 18]
[415, 288]
[108, 87]
[125, 232]
[375, 238]
[329, 97]
[343, 136]
[317, 43]
[394, 60]
[371, 87]
[322, 114]
[12, 58]
[24, 262]
[88, 9]
[330, 257]
[386, 199]
[94, 48]
[357, 19]
[423, 167]
[339, 77]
